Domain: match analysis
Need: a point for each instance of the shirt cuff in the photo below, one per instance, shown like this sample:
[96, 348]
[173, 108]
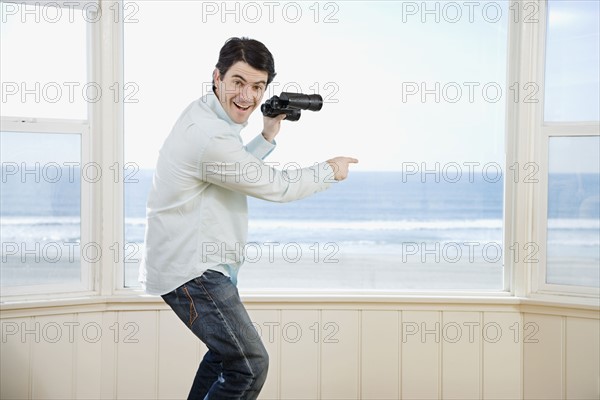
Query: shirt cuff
[260, 147]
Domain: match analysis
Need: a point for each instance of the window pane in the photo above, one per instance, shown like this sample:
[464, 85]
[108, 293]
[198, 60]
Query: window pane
[40, 208]
[573, 253]
[43, 62]
[397, 97]
[137, 184]
[572, 61]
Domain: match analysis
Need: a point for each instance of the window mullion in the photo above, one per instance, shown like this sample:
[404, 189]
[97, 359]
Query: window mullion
[106, 60]
[42, 125]
[522, 136]
[539, 157]
[570, 129]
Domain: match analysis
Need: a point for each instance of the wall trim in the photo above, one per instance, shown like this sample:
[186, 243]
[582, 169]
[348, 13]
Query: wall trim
[311, 302]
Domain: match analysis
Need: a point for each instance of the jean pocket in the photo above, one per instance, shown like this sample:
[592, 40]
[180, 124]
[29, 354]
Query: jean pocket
[216, 285]
[193, 314]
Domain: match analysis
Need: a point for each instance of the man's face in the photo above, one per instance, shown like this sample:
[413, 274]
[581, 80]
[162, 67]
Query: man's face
[240, 90]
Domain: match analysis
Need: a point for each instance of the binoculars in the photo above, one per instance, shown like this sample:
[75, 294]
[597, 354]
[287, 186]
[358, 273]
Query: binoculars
[291, 104]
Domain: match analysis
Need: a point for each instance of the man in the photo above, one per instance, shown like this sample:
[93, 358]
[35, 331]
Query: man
[197, 217]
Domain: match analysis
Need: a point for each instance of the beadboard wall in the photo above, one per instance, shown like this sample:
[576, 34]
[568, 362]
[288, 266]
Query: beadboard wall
[327, 349]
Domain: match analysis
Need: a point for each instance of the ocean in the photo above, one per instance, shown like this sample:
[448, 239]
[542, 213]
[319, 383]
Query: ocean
[429, 228]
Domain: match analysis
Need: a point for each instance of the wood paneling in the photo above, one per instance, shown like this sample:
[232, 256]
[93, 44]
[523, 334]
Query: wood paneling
[52, 358]
[380, 354]
[502, 359]
[320, 351]
[89, 333]
[136, 336]
[300, 355]
[15, 359]
[178, 356]
[583, 358]
[421, 354]
[339, 339]
[461, 336]
[543, 356]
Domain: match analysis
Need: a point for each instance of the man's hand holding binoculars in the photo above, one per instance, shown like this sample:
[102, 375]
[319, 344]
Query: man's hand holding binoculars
[272, 126]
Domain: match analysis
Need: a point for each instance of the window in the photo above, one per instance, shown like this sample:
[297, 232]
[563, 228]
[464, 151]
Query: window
[415, 90]
[47, 170]
[43, 61]
[41, 208]
[573, 243]
[420, 103]
[568, 228]
[572, 61]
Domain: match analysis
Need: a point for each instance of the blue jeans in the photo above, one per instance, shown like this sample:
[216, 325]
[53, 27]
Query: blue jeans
[236, 363]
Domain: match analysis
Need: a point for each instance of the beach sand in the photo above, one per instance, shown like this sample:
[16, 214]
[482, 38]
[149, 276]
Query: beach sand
[369, 272]
[353, 271]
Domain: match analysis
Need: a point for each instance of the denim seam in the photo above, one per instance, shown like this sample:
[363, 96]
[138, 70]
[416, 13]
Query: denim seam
[231, 333]
[192, 307]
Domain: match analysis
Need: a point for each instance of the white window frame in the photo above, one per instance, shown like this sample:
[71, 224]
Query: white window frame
[114, 278]
[534, 134]
[508, 217]
[73, 127]
[526, 141]
[89, 231]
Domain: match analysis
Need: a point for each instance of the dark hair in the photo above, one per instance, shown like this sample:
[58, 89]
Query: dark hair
[250, 51]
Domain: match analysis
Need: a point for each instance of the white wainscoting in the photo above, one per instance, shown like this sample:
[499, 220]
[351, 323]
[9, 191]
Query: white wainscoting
[468, 349]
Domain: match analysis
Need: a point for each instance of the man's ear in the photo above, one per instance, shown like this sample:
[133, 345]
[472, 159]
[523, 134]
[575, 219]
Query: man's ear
[216, 75]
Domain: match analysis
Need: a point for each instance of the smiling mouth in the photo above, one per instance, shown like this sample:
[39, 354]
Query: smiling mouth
[240, 107]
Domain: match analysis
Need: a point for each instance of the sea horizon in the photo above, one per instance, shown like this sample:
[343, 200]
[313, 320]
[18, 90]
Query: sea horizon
[369, 216]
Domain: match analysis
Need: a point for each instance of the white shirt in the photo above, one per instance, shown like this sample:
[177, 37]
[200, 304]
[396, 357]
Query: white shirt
[196, 214]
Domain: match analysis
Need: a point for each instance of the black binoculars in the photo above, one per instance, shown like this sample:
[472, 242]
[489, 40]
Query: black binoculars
[291, 104]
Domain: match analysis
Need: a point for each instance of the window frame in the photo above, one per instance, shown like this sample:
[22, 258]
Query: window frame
[507, 286]
[543, 131]
[526, 139]
[72, 127]
[90, 272]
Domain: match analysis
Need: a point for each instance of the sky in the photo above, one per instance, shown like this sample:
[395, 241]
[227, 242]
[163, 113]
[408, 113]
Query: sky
[403, 82]
[357, 56]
